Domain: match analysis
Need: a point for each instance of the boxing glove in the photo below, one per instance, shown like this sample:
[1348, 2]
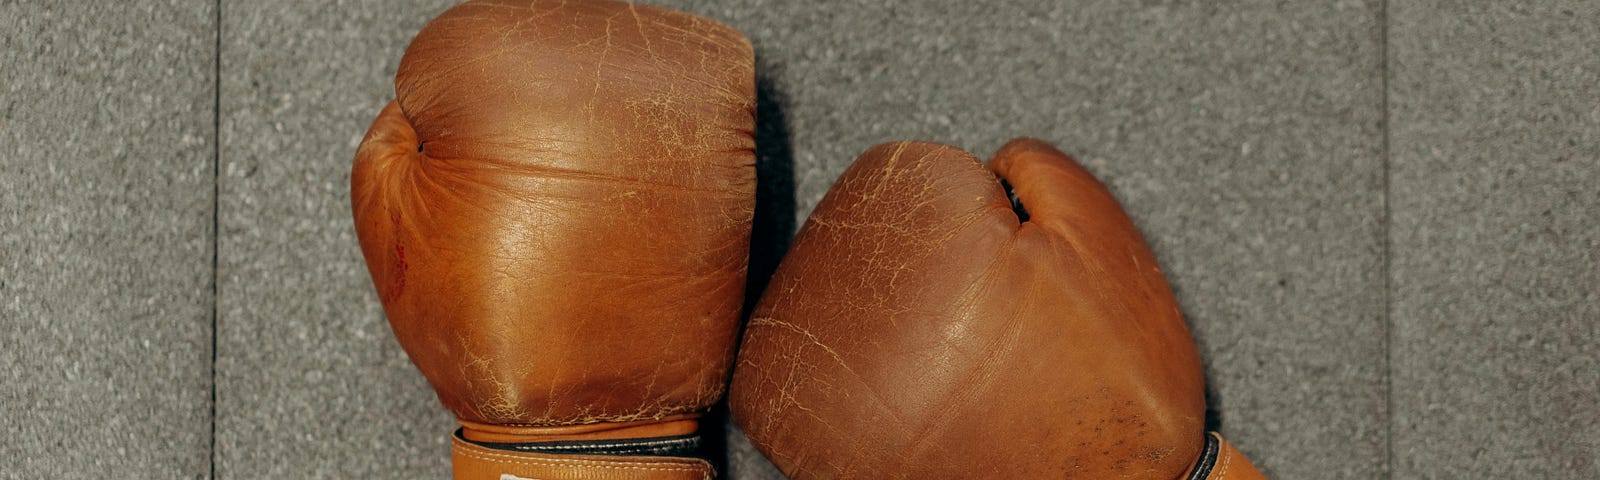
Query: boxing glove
[555, 211]
[925, 325]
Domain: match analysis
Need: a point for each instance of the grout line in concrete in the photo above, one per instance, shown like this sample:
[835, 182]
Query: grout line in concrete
[216, 214]
[1387, 230]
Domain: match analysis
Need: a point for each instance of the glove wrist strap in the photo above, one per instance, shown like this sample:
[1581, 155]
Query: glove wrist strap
[628, 459]
[1220, 461]
[669, 426]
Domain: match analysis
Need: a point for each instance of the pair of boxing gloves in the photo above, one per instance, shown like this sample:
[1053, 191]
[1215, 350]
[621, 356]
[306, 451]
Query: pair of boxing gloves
[556, 214]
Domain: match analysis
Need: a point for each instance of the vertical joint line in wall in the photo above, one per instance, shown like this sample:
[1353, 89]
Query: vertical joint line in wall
[216, 223]
[1387, 227]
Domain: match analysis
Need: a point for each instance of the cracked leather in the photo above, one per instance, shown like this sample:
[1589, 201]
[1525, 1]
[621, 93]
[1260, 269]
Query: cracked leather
[555, 211]
[919, 329]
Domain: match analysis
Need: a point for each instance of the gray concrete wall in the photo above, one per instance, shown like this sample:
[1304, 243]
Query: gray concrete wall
[1378, 215]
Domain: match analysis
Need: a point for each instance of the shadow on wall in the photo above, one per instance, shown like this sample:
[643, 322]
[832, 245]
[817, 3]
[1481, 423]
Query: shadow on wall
[770, 232]
[1213, 399]
[774, 222]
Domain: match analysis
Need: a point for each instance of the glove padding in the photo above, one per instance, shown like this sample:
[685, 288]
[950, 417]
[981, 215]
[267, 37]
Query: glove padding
[925, 326]
[556, 214]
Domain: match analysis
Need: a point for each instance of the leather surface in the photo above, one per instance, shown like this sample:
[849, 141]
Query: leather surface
[556, 210]
[917, 329]
[473, 462]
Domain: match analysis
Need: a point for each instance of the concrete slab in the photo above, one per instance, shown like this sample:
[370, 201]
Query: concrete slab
[1496, 158]
[311, 383]
[106, 150]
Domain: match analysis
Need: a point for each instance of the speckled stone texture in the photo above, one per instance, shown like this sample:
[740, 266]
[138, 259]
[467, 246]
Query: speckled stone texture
[105, 238]
[1495, 191]
[311, 383]
[1337, 259]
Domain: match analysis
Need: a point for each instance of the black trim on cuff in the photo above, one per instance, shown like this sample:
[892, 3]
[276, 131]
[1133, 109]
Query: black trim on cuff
[675, 446]
[1208, 459]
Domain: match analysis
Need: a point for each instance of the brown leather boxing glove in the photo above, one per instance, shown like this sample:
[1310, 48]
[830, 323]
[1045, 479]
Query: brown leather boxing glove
[922, 326]
[556, 211]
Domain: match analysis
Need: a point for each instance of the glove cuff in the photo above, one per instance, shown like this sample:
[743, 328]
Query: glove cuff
[671, 446]
[625, 459]
[1220, 461]
[669, 426]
